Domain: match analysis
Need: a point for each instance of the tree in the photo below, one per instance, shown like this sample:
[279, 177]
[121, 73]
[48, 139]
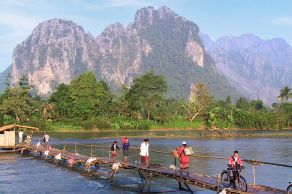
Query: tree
[257, 105]
[18, 103]
[200, 100]
[89, 97]
[285, 94]
[23, 83]
[62, 101]
[146, 93]
[121, 105]
[242, 103]
[8, 80]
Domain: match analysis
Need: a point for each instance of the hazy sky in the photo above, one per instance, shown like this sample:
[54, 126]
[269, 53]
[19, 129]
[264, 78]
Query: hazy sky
[265, 18]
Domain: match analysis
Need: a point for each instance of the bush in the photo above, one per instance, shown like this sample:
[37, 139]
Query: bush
[92, 123]
[122, 123]
[254, 120]
[37, 122]
[57, 126]
[7, 120]
[144, 125]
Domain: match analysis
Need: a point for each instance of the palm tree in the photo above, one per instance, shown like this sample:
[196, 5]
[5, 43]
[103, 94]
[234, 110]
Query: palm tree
[285, 93]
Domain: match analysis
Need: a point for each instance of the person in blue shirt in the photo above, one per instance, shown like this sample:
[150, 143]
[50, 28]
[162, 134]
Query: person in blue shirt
[126, 146]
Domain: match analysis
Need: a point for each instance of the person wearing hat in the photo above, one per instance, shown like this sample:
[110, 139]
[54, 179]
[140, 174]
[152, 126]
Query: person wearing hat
[184, 159]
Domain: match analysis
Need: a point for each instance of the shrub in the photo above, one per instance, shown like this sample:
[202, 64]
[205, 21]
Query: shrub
[100, 123]
[254, 120]
[144, 125]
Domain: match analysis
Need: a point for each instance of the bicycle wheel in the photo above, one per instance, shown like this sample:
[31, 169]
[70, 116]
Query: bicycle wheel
[240, 183]
[289, 189]
[225, 179]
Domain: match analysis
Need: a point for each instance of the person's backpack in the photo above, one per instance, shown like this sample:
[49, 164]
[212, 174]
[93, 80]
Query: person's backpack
[44, 139]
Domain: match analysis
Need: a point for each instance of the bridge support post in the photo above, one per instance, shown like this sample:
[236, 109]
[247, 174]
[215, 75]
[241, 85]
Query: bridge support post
[188, 189]
[254, 174]
[146, 181]
[218, 182]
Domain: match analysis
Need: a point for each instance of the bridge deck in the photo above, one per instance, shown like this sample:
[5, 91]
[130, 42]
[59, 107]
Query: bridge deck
[198, 180]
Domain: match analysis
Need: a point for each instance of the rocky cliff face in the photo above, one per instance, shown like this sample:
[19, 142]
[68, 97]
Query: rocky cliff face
[56, 52]
[158, 40]
[257, 67]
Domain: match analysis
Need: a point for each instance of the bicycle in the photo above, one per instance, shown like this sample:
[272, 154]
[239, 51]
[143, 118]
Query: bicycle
[238, 182]
[289, 188]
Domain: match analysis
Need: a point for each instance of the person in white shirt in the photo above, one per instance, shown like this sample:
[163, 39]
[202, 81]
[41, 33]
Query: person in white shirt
[144, 152]
[20, 136]
[46, 139]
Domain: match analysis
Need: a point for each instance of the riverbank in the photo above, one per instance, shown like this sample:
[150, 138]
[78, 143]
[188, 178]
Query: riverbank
[178, 133]
[196, 127]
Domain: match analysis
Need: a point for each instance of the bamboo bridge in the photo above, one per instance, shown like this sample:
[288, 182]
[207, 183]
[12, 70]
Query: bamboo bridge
[89, 163]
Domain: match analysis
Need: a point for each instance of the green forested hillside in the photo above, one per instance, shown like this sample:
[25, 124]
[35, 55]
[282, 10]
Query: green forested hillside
[88, 104]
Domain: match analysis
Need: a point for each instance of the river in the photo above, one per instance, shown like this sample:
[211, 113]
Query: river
[23, 174]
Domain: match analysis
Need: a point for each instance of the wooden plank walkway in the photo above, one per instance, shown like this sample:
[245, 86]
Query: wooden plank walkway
[202, 181]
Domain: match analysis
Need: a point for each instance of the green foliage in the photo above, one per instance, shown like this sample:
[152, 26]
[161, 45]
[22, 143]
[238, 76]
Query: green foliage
[18, 104]
[8, 120]
[179, 122]
[56, 126]
[62, 101]
[96, 123]
[82, 98]
[123, 123]
[88, 104]
[146, 93]
[285, 93]
[254, 120]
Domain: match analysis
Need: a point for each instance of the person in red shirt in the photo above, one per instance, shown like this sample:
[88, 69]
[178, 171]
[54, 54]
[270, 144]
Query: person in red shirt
[235, 161]
[235, 164]
[184, 160]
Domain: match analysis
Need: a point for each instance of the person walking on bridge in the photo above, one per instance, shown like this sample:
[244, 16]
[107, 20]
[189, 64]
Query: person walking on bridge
[126, 146]
[114, 149]
[183, 158]
[46, 139]
[144, 153]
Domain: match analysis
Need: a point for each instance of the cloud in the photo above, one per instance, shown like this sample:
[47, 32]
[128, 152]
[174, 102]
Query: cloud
[127, 3]
[21, 22]
[283, 21]
[105, 4]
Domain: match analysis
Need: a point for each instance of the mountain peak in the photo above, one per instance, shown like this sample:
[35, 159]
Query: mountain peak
[165, 11]
[57, 23]
[55, 28]
[114, 30]
[147, 15]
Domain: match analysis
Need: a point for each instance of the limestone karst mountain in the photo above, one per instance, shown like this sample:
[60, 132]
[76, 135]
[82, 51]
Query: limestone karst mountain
[259, 68]
[158, 40]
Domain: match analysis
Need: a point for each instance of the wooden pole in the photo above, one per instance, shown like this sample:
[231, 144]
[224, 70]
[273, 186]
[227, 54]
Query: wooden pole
[254, 174]
[91, 150]
[218, 183]
[64, 149]
[75, 148]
